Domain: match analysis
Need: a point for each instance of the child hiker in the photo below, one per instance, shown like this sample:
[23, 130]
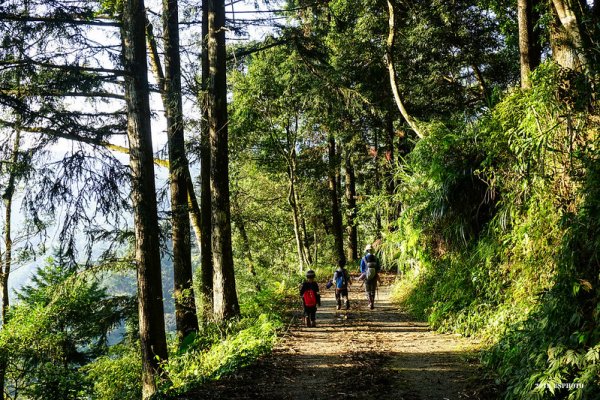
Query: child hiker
[309, 291]
[341, 280]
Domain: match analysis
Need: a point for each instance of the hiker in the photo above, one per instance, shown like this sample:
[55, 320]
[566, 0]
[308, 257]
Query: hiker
[369, 268]
[341, 280]
[309, 291]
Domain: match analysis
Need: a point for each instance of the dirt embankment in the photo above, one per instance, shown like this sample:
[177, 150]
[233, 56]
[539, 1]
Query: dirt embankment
[362, 354]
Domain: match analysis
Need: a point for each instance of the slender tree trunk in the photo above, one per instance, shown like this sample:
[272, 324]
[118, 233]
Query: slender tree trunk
[535, 35]
[336, 214]
[389, 154]
[205, 196]
[238, 221]
[378, 226]
[392, 70]
[185, 304]
[292, 201]
[316, 246]
[6, 260]
[225, 297]
[143, 193]
[526, 22]
[7, 197]
[182, 199]
[194, 207]
[388, 171]
[351, 230]
[303, 231]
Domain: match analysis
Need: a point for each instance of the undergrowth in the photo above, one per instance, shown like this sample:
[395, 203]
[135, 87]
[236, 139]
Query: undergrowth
[499, 236]
[217, 349]
[220, 349]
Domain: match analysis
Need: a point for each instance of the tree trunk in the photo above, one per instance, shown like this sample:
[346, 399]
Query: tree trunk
[292, 201]
[351, 231]
[390, 187]
[205, 196]
[525, 22]
[392, 70]
[7, 197]
[170, 86]
[378, 226]
[566, 39]
[194, 207]
[185, 304]
[225, 297]
[6, 260]
[535, 36]
[336, 214]
[238, 221]
[303, 231]
[143, 193]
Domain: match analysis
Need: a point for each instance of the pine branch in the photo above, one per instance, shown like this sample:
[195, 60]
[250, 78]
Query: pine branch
[78, 68]
[63, 20]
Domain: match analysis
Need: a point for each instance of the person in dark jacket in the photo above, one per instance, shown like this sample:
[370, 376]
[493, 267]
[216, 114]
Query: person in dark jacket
[369, 269]
[309, 291]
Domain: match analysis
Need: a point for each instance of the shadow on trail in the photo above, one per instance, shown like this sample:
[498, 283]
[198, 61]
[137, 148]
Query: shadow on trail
[357, 354]
[355, 375]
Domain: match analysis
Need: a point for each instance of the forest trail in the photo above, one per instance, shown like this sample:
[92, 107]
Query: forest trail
[371, 354]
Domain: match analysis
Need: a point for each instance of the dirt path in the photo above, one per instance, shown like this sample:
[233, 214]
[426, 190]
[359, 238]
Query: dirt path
[364, 354]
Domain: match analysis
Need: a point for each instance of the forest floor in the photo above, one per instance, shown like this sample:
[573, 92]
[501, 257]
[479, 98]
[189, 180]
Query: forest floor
[360, 354]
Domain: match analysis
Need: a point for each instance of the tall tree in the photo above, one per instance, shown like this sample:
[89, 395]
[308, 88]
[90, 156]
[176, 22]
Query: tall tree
[336, 213]
[294, 199]
[224, 296]
[6, 256]
[7, 197]
[351, 210]
[185, 305]
[525, 33]
[206, 286]
[143, 193]
[172, 103]
[529, 47]
[274, 126]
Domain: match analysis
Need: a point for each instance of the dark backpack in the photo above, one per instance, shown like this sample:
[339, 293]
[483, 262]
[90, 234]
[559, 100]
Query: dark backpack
[371, 272]
[310, 298]
[340, 279]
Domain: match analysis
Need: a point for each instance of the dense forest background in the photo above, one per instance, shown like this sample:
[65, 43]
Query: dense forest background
[168, 174]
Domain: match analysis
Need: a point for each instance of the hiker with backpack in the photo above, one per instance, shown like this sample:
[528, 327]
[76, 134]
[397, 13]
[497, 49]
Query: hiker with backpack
[341, 280]
[309, 291]
[369, 268]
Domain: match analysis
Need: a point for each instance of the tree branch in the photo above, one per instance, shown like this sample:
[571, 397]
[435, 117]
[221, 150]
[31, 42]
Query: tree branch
[392, 71]
[62, 67]
[71, 21]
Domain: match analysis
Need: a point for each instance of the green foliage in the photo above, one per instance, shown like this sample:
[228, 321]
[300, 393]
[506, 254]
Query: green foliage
[220, 349]
[60, 324]
[498, 235]
[115, 376]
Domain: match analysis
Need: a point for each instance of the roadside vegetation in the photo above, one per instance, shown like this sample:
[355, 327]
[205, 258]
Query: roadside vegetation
[499, 237]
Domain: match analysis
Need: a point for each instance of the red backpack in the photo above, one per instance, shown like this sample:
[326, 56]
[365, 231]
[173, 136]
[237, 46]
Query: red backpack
[310, 298]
